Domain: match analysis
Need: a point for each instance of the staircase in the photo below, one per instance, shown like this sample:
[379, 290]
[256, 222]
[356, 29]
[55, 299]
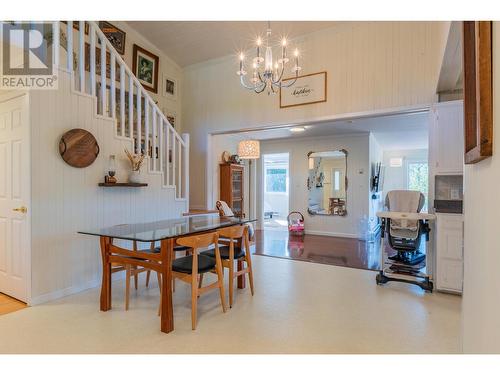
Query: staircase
[123, 99]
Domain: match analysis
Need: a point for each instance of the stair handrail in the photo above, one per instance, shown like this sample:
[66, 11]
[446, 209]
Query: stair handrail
[121, 62]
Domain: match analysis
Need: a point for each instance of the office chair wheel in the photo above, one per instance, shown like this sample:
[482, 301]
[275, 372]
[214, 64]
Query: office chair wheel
[381, 279]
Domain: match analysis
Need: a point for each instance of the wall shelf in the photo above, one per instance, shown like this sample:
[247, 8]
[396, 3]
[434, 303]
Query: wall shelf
[122, 184]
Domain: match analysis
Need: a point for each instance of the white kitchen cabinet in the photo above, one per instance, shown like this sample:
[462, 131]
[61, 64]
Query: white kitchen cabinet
[449, 252]
[446, 135]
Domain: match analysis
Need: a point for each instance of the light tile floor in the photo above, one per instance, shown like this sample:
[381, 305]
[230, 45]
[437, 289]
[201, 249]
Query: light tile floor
[298, 307]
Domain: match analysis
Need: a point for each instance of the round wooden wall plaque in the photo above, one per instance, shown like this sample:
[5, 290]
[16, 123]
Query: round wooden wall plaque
[78, 148]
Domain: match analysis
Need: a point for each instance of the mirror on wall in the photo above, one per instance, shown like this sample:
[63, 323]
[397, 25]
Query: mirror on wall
[327, 183]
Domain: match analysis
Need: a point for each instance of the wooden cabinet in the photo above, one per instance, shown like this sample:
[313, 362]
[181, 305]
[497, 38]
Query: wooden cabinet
[449, 252]
[446, 138]
[231, 186]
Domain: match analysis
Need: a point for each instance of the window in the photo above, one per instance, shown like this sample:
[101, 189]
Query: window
[418, 178]
[337, 180]
[276, 180]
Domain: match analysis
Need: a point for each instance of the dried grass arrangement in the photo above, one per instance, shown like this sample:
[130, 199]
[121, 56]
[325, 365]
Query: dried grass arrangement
[136, 160]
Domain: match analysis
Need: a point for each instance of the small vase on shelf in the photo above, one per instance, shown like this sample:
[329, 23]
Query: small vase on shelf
[136, 161]
[135, 177]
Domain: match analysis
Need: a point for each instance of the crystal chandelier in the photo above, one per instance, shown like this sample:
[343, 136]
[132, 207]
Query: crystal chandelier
[267, 73]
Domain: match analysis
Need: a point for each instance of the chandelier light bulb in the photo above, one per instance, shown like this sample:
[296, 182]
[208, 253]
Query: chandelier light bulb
[283, 42]
[296, 52]
[242, 56]
[259, 41]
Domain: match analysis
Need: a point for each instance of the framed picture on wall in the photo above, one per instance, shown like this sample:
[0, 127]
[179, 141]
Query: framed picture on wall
[169, 87]
[171, 117]
[115, 35]
[145, 66]
[308, 89]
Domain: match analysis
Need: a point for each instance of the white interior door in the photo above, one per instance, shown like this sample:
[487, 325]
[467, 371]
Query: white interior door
[15, 185]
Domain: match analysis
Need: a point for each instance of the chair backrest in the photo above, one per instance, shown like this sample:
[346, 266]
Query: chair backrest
[405, 200]
[224, 209]
[233, 232]
[199, 241]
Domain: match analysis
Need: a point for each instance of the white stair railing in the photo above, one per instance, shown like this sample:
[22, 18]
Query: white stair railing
[151, 133]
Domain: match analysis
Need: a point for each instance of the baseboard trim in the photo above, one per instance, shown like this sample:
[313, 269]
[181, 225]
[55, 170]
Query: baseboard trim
[331, 234]
[61, 293]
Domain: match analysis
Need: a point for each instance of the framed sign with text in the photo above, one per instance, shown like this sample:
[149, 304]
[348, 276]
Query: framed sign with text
[308, 89]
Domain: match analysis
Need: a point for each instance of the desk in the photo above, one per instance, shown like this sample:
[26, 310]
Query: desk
[166, 232]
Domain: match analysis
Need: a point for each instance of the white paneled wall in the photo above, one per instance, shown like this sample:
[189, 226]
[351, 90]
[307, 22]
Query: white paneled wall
[66, 199]
[481, 297]
[371, 66]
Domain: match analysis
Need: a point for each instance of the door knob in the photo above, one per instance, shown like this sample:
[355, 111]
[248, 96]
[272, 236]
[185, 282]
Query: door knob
[21, 209]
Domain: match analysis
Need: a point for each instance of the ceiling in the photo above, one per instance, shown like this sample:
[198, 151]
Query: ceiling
[395, 132]
[191, 42]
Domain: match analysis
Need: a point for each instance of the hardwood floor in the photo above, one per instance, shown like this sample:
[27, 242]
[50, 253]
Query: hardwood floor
[9, 304]
[339, 251]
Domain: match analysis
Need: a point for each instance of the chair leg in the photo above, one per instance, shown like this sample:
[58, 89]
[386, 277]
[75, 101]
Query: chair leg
[200, 281]
[218, 269]
[127, 286]
[148, 274]
[136, 278]
[250, 272]
[159, 286]
[194, 302]
[231, 282]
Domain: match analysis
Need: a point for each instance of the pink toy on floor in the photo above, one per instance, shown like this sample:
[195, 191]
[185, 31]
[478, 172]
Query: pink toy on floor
[296, 223]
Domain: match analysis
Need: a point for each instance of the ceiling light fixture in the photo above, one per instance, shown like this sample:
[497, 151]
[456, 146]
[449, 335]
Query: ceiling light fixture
[268, 72]
[298, 129]
[249, 149]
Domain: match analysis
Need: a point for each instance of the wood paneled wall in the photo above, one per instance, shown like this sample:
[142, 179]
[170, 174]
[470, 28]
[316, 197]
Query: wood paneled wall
[66, 199]
[371, 66]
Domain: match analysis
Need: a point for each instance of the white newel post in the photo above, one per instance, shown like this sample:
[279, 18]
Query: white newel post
[185, 176]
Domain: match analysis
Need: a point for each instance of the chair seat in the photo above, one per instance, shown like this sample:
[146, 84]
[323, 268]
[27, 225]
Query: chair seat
[185, 264]
[224, 252]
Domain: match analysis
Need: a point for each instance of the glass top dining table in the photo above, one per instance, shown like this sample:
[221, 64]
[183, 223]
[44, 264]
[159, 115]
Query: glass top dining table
[164, 229]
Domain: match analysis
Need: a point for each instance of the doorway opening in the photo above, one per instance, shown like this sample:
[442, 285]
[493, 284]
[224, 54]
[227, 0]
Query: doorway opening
[276, 188]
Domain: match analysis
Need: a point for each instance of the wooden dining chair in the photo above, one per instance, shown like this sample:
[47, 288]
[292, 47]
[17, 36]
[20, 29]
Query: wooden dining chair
[189, 267]
[134, 271]
[231, 238]
[129, 272]
[157, 250]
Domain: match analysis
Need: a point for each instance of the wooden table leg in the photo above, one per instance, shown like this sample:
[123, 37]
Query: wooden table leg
[106, 275]
[167, 311]
[241, 278]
